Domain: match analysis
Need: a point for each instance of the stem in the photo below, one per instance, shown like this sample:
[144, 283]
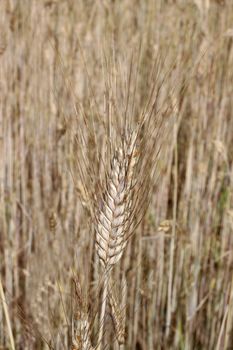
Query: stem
[103, 310]
[172, 246]
[5, 309]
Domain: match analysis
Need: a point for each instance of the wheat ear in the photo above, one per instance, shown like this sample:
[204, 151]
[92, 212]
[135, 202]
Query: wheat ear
[115, 213]
[81, 329]
[118, 311]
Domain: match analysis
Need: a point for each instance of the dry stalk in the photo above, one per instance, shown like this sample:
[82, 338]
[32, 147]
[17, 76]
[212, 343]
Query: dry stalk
[5, 309]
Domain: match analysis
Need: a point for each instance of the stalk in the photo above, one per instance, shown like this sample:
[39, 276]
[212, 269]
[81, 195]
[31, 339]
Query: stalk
[103, 310]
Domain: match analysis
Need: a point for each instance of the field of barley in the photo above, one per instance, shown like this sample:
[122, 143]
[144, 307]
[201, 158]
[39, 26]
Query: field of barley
[116, 175]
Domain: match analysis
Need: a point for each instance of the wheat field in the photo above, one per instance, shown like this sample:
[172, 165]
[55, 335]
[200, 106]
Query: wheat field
[116, 174]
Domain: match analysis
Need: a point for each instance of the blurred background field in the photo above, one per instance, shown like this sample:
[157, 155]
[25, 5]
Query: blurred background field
[179, 264]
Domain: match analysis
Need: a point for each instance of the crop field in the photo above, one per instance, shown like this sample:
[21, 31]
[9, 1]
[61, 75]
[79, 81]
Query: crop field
[116, 175]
